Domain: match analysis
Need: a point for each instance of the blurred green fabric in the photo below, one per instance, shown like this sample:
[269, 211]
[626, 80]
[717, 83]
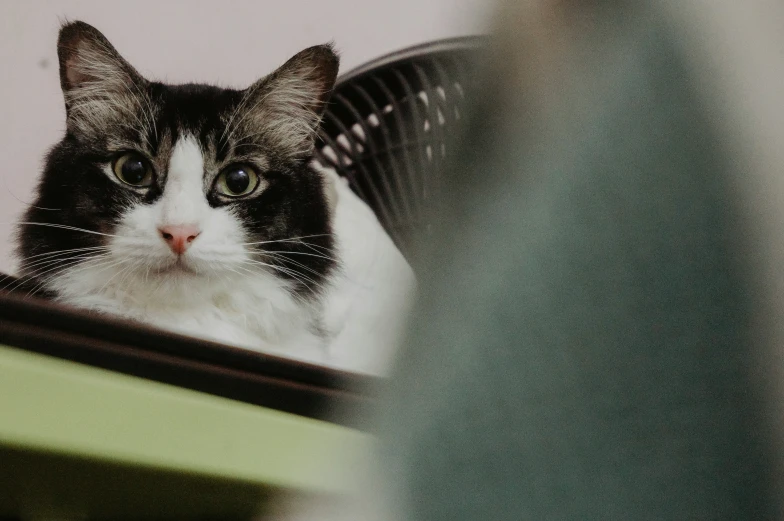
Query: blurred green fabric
[582, 347]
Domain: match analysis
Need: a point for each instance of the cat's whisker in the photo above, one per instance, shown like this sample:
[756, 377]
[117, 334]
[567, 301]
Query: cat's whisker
[287, 239]
[126, 270]
[282, 258]
[35, 268]
[32, 267]
[255, 273]
[13, 285]
[237, 272]
[34, 289]
[54, 263]
[67, 227]
[37, 273]
[283, 253]
[299, 275]
[313, 244]
[319, 250]
[293, 274]
[46, 262]
[33, 260]
[100, 268]
[238, 251]
[60, 268]
[90, 264]
[74, 250]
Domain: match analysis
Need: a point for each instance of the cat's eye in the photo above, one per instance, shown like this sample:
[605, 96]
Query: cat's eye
[236, 181]
[133, 169]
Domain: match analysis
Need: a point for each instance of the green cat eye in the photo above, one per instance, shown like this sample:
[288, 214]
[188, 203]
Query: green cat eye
[236, 181]
[133, 169]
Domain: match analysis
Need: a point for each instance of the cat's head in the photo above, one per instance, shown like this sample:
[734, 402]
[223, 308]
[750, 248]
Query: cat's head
[169, 185]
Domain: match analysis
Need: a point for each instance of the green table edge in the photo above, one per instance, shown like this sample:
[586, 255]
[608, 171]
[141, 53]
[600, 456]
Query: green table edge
[53, 405]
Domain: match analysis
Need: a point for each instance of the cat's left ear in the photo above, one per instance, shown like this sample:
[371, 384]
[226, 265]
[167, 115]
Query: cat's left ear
[286, 107]
[99, 86]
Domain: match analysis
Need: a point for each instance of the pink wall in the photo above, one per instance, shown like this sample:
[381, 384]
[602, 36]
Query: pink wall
[230, 42]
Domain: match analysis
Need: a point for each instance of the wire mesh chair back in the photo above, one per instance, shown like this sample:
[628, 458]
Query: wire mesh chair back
[388, 126]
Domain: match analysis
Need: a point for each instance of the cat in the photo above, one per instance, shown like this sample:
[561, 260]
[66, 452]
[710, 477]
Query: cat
[188, 207]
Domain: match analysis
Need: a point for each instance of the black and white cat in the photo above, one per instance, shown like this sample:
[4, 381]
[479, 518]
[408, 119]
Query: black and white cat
[189, 207]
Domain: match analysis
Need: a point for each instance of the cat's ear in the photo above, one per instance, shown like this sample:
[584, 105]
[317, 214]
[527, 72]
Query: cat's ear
[99, 86]
[285, 108]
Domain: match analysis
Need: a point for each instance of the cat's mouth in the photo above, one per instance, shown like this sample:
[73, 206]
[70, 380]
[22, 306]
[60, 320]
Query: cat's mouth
[178, 267]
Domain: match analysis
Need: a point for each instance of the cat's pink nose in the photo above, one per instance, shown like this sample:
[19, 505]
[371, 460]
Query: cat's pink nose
[180, 237]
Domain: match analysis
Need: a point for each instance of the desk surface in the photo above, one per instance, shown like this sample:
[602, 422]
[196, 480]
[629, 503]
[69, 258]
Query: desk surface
[83, 441]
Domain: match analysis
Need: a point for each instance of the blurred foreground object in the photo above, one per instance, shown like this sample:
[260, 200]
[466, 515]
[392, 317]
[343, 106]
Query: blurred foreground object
[597, 335]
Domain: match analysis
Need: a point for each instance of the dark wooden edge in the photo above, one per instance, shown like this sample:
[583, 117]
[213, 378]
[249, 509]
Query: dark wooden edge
[45, 327]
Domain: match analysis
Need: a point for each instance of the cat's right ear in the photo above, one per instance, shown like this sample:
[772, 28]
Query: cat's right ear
[285, 108]
[99, 86]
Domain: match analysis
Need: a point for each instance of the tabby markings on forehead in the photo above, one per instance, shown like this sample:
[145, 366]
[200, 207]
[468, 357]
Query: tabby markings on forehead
[118, 143]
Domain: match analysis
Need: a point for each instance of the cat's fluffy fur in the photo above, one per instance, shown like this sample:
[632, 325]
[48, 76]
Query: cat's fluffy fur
[255, 273]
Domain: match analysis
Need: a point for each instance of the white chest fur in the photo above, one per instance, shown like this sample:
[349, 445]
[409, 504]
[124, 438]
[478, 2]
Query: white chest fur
[255, 312]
